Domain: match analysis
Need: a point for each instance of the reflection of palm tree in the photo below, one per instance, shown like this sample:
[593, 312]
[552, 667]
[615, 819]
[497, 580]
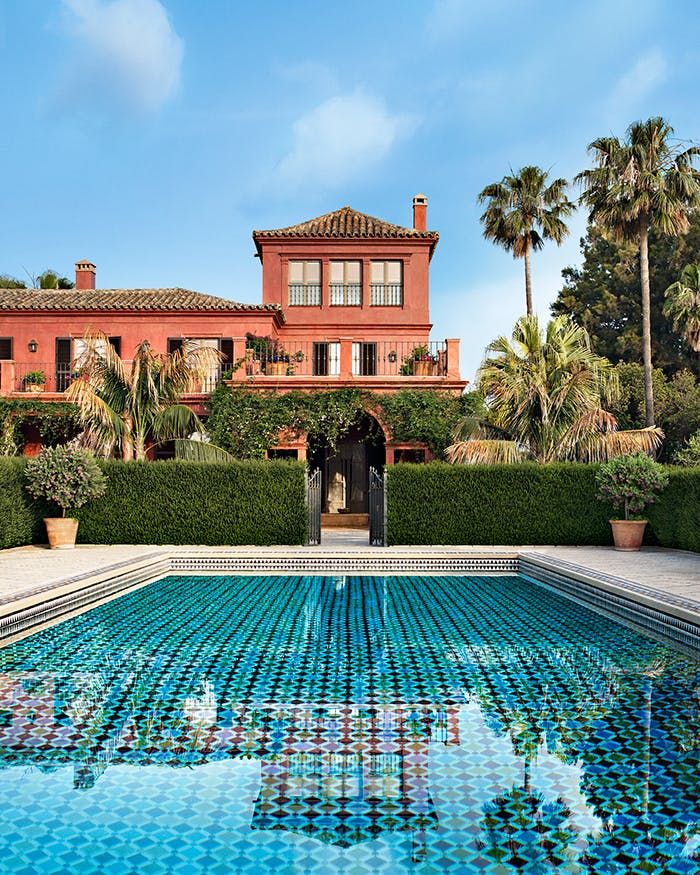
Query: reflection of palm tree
[522, 830]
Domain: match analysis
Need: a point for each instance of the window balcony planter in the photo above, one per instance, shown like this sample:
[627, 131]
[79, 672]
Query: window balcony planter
[421, 363]
[34, 382]
[425, 368]
[276, 369]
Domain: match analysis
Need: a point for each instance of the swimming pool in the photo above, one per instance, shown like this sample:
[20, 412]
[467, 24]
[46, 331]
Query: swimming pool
[308, 724]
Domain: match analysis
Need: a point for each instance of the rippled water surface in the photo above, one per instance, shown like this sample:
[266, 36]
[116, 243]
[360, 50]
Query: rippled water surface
[356, 725]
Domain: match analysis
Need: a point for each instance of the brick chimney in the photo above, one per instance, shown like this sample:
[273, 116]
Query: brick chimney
[420, 212]
[84, 275]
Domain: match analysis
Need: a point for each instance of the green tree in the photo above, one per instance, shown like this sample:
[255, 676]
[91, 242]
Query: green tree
[677, 404]
[51, 279]
[10, 282]
[683, 305]
[643, 182]
[522, 212]
[546, 394]
[126, 408]
[603, 296]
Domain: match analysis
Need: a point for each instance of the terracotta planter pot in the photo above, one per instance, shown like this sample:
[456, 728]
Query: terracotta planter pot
[628, 534]
[62, 532]
[424, 369]
[276, 369]
[34, 388]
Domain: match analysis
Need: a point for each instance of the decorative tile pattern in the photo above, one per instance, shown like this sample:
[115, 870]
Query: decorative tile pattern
[396, 724]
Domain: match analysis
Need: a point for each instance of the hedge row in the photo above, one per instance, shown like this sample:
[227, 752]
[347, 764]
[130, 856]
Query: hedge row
[172, 503]
[525, 504]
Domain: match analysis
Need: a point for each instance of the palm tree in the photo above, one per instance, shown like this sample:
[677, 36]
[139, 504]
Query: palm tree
[546, 394]
[644, 182]
[522, 212]
[127, 407]
[682, 305]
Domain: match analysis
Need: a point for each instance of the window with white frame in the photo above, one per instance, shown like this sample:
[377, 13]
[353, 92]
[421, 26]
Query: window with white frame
[304, 280]
[364, 359]
[99, 345]
[386, 284]
[326, 359]
[346, 283]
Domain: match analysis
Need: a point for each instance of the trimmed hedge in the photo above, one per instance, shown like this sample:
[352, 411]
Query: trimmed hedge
[20, 522]
[440, 503]
[172, 503]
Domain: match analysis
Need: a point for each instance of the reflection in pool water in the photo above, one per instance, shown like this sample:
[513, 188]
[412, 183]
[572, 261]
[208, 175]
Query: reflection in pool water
[359, 724]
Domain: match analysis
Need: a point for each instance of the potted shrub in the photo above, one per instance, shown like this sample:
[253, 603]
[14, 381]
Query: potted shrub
[34, 381]
[67, 477]
[630, 483]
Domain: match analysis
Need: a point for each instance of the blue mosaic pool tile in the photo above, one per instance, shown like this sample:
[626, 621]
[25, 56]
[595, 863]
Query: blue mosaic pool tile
[359, 725]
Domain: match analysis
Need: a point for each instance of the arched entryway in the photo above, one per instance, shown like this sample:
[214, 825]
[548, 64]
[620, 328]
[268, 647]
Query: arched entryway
[345, 471]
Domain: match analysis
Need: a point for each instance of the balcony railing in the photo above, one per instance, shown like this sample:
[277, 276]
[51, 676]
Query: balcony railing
[42, 377]
[304, 294]
[37, 377]
[332, 358]
[346, 294]
[386, 294]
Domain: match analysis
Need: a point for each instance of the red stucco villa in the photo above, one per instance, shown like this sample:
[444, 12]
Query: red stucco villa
[345, 302]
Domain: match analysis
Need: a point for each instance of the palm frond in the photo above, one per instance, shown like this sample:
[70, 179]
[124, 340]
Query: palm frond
[175, 421]
[604, 446]
[480, 451]
[200, 451]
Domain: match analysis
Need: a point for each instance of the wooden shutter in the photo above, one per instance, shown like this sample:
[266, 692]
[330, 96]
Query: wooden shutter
[321, 359]
[226, 349]
[64, 363]
[369, 360]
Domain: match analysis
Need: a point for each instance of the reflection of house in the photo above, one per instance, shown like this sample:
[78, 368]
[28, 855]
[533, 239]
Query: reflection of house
[363, 772]
[345, 303]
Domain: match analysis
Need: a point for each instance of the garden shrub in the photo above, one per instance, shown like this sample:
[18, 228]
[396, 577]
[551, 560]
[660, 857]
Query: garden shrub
[675, 519]
[526, 504]
[20, 522]
[172, 503]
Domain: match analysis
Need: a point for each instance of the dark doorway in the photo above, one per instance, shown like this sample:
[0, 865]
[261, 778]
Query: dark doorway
[345, 471]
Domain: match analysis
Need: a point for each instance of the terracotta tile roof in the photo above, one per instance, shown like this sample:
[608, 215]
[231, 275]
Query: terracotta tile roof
[121, 299]
[347, 223]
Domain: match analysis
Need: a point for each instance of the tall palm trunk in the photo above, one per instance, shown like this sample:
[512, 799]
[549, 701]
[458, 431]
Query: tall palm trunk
[528, 282]
[646, 322]
[139, 448]
[128, 442]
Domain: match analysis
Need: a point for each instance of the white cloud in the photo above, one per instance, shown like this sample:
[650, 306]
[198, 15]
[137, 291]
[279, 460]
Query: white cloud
[340, 139]
[128, 49]
[630, 90]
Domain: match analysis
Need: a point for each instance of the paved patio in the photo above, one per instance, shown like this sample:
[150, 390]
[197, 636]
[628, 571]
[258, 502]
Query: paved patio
[39, 573]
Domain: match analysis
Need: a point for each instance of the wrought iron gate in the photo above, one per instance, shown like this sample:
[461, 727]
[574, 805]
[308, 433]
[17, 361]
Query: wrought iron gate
[377, 509]
[313, 505]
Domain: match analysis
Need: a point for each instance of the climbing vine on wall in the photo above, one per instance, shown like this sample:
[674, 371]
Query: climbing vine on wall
[246, 422]
[427, 416]
[56, 422]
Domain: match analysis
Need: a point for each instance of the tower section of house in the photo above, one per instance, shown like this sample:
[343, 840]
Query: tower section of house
[355, 291]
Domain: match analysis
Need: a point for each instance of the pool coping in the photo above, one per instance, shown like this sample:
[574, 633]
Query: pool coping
[52, 602]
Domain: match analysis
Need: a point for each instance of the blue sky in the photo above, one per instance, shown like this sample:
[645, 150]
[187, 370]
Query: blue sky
[152, 136]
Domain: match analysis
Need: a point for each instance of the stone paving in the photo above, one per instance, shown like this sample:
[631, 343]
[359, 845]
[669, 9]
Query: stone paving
[26, 570]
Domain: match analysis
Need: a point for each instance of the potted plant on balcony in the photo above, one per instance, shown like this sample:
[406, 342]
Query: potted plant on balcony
[277, 360]
[34, 381]
[630, 483]
[67, 477]
[420, 362]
